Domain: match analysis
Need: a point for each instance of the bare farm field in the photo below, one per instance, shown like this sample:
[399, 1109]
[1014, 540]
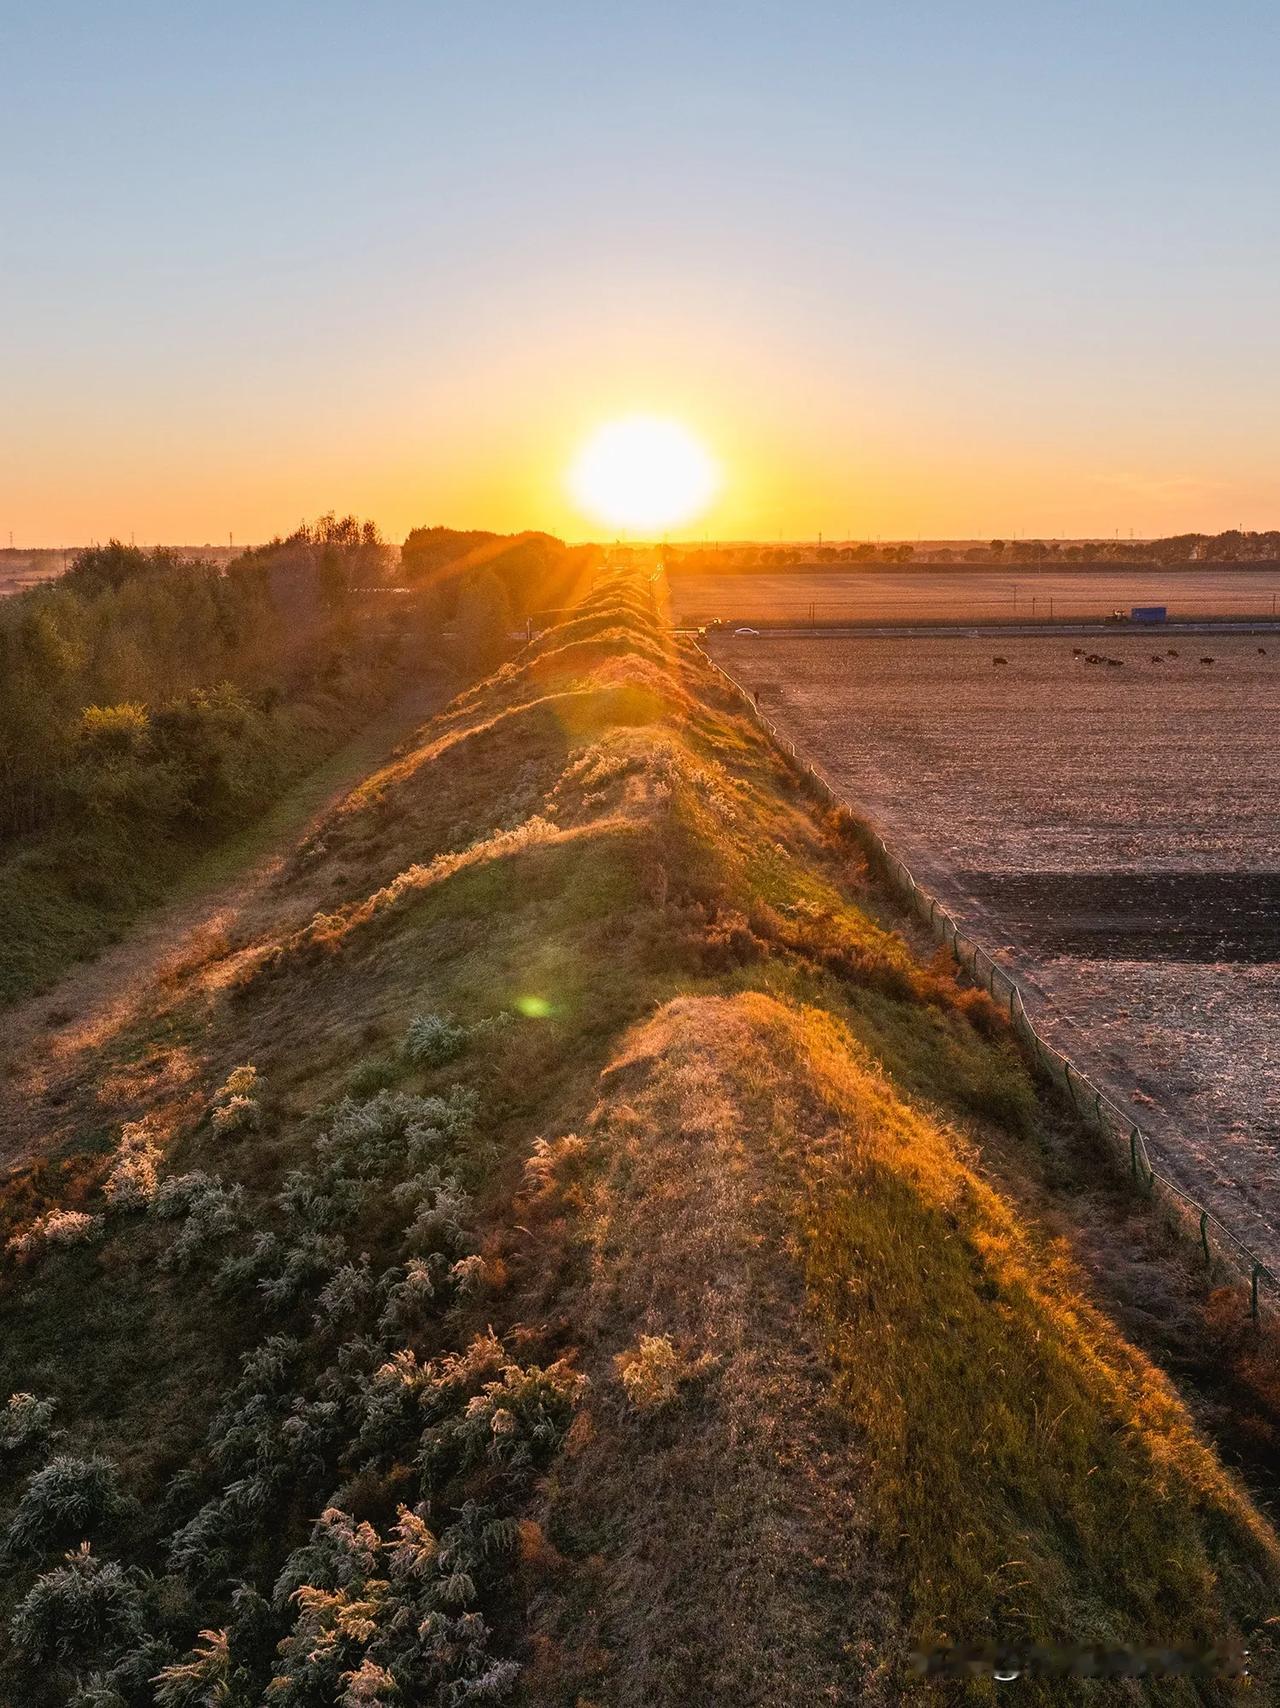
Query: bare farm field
[1109, 833]
[880, 593]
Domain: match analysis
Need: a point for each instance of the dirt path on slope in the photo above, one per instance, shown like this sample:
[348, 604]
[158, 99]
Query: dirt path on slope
[50, 1041]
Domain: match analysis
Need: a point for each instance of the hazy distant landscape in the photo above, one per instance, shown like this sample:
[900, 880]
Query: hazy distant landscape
[924, 592]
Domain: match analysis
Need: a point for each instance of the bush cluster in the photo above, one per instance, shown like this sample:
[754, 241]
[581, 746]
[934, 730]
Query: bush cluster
[333, 1400]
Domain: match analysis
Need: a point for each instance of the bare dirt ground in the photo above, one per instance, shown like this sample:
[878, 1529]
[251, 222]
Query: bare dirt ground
[882, 593]
[1110, 834]
[52, 1044]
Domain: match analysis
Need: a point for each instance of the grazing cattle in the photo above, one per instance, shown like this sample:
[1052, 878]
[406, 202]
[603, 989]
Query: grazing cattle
[1077, 651]
[998, 660]
[1094, 658]
[1173, 652]
[1206, 660]
[1115, 662]
[1263, 651]
[1156, 658]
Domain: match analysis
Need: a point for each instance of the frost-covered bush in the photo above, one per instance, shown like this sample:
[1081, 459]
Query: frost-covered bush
[433, 1039]
[348, 1292]
[79, 1610]
[240, 1082]
[235, 1107]
[131, 1184]
[514, 1422]
[325, 1201]
[212, 1212]
[394, 1618]
[439, 1208]
[411, 1294]
[67, 1499]
[284, 1272]
[25, 1422]
[55, 1228]
[394, 1132]
[374, 1073]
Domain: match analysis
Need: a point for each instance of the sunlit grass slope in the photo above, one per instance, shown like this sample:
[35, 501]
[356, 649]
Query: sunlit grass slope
[617, 1280]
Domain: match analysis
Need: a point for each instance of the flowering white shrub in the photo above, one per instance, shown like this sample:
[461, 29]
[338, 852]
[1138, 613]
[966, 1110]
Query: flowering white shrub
[433, 1039]
[56, 1228]
[131, 1184]
[69, 1497]
[25, 1422]
[79, 1609]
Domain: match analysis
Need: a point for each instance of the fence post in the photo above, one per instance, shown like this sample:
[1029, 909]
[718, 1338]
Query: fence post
[1204, 1235]
[1133, 1155]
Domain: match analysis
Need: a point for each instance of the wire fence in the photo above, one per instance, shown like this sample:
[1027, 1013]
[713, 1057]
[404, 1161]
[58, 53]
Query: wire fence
[1123, 1138]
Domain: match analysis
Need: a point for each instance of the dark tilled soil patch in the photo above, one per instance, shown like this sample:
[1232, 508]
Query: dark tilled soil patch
[1212, 917]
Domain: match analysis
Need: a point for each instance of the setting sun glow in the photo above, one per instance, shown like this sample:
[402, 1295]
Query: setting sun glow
[643, 473]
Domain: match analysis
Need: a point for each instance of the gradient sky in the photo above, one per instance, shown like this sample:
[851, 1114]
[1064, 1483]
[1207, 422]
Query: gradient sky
[939, 269]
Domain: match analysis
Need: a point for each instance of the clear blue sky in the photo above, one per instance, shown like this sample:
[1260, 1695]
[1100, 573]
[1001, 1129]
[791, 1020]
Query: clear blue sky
[934, 268]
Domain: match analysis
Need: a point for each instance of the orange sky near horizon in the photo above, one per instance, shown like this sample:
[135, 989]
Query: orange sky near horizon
[911, 271]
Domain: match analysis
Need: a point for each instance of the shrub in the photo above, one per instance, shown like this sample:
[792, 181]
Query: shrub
[236, 1115]
[115, 729]
[79, 1610]
[213, 1212]
[235, 1107]
[433, 1039]
[240, 1082]
[374, 1073]
[131, 1184]
[25, 1422]
[651, 1372]
[66, 1499]
[56, 1228]
[203, 1679]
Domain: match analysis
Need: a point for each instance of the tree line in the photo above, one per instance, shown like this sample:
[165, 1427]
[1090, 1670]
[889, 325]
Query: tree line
[151, 684]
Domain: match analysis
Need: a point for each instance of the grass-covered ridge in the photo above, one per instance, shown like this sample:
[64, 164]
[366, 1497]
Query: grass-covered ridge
[579, 1253]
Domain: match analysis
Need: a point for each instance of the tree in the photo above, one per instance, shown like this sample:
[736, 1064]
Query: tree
[484, 621]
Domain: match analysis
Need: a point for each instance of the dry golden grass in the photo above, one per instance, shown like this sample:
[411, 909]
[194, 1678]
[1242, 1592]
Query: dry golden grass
[946, 1442]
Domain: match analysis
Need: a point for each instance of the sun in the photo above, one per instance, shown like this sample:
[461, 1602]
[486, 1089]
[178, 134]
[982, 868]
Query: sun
[643, 473]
